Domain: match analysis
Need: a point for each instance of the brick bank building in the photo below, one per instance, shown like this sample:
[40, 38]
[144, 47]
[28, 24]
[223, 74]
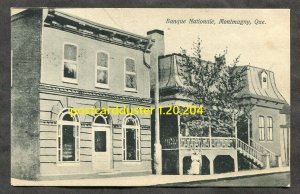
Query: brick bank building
[61, 62]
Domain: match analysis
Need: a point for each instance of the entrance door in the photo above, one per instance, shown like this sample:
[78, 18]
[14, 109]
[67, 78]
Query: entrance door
[101, 149]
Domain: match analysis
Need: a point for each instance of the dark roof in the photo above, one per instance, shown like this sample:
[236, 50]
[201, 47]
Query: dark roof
[254, 88]
[169, 78]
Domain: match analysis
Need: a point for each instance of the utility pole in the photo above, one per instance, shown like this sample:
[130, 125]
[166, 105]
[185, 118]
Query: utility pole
[157, 50]
[157, 145]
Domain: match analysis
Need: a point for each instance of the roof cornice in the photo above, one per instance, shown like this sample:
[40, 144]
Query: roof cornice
[89, 29]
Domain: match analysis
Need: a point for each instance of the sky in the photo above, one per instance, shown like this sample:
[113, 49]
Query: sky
[266, 45]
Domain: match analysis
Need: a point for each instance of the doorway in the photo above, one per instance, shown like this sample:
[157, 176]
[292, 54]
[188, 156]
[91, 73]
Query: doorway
[101, 146]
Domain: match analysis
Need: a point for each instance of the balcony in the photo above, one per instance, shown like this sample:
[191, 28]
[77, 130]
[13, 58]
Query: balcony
[199, 143]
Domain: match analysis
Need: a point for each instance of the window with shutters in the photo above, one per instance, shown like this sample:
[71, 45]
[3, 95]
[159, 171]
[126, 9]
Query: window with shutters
[130, 75]
[70, 63]
[102, 70]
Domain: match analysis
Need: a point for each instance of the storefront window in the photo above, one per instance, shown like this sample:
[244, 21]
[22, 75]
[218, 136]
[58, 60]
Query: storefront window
[131, 138]
[68, 137]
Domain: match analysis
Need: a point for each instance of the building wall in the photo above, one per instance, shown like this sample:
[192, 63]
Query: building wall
[51, 104]
[52, 60]
[277, 121]
[25, 45]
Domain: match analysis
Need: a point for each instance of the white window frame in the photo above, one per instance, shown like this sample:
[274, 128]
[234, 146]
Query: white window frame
[138, 138]
[59, 140]
[270, 129]
[101, 85]
[66, 79]
[261, 128]
[132, 73]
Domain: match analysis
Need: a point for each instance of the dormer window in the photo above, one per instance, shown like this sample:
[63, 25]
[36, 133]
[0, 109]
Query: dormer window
[264, 80]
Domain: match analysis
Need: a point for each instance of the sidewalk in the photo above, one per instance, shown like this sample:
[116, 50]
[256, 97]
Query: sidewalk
[148, 180]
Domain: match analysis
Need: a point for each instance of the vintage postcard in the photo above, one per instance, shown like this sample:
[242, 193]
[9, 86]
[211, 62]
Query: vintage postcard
[150, 97]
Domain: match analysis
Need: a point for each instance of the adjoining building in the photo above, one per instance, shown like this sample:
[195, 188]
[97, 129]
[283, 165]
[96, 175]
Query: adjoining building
[60, 62]
[262, 141]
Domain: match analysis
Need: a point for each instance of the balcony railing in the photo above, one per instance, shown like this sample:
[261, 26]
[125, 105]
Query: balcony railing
[199, 143]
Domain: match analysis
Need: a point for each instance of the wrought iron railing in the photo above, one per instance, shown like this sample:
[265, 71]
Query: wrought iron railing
[207, 142]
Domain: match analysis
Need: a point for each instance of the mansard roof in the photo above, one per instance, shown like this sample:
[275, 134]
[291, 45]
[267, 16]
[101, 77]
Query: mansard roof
[169, 80]
[254, 87]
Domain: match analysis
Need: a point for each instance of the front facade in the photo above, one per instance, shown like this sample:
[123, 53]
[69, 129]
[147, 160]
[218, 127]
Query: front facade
[60, 63]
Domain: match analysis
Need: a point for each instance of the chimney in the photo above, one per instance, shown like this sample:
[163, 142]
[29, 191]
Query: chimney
[158, 36]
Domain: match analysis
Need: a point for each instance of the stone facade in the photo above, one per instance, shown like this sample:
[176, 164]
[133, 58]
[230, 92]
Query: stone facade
[39, 97]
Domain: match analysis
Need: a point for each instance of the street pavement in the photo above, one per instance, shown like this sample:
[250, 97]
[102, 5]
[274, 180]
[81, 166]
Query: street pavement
[270, 180]
[267, 177]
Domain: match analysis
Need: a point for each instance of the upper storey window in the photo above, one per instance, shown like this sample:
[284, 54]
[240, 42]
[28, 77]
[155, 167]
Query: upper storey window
[264, 80]
[102, 70]
[70, 63]
[130, 75]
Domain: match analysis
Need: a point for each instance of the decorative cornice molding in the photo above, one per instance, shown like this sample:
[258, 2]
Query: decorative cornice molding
[89, 124]
[82, 27]
[90, 94]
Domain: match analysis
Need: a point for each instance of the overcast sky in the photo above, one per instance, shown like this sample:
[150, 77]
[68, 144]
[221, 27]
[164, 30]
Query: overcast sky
[266, 46]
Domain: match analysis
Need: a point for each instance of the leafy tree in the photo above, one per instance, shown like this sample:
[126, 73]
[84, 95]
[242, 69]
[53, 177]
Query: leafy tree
[218, 87]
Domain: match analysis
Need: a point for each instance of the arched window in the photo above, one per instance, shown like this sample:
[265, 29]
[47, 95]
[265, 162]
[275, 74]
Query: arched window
[68, 138]
[101, 120]
[131, 138]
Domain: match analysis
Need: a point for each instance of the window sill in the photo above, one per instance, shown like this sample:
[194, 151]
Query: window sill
[70, 81]
[67, 163]
[133, 162]
[131, 90]
[102, 87]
